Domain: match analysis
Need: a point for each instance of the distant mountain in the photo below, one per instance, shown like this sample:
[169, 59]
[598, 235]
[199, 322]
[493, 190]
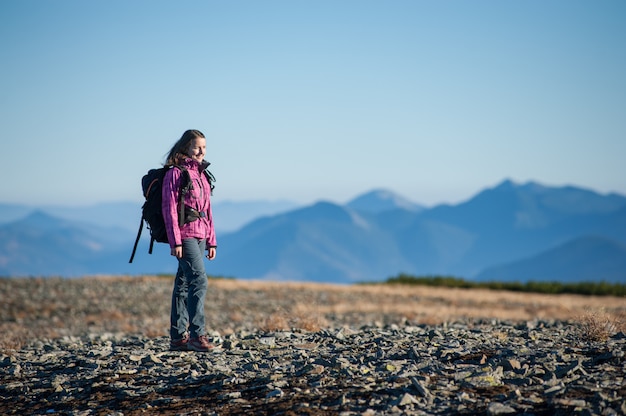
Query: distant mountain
[588, 258]
[43, 245]
[499, 225]
[525, 231]
[232, 215]
[322, 242]
[13, 212]
[124, 215]
[33, 241]
[528, 206]
[381, 200]
[229, 215]
[510, 221]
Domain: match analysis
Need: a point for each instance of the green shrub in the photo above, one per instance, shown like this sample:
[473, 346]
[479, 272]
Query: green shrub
[601, 288]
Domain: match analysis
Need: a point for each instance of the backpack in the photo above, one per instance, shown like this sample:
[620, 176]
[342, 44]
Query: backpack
[151, 211]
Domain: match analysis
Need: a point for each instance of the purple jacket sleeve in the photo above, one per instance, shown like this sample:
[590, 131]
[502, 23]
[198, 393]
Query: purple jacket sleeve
[171, 185]
[212, 240]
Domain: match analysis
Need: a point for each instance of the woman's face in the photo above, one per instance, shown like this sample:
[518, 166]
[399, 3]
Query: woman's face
[197, 149]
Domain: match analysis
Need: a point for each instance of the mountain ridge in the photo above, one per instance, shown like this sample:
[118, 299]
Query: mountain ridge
[325, 241]
[594, 258]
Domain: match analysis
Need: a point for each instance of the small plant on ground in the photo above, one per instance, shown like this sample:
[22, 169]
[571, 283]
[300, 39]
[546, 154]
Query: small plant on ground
[297, 319]
[598, 326]
[275, 322]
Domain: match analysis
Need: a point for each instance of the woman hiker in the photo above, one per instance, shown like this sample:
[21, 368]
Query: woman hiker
[190, 234]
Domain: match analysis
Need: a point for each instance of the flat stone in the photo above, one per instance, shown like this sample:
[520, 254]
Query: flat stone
[500, 409]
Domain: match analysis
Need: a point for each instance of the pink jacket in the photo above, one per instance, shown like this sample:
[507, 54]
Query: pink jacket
[198, 198]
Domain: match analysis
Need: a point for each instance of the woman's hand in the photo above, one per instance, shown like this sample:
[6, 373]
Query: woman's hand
[177, 252]
[211, 254]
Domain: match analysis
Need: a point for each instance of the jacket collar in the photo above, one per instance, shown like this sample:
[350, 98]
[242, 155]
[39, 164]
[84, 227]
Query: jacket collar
[189, 163]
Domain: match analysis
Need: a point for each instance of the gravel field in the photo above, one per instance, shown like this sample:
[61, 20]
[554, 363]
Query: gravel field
[99, 346]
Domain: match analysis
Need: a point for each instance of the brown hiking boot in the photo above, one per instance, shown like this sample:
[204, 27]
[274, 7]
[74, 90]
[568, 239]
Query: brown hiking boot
[200, 344]
[179, 344]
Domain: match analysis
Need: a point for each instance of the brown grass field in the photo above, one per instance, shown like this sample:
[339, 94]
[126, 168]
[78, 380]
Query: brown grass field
[36, 308]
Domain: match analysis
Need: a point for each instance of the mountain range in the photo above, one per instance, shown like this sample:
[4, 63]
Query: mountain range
[509, 232]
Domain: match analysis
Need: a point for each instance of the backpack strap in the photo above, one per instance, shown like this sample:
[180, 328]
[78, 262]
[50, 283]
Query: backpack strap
[132, 256]
[210, 178]
[184, 188]
[151, 245]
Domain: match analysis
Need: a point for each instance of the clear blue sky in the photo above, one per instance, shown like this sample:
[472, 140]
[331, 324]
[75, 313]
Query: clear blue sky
[310, 100]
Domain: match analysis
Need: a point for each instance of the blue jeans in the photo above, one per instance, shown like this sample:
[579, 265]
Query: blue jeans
[190, 287]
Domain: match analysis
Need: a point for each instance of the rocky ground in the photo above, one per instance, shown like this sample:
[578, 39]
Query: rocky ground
[98, 347]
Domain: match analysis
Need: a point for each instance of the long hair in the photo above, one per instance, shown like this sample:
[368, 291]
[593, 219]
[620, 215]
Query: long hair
[178, 152]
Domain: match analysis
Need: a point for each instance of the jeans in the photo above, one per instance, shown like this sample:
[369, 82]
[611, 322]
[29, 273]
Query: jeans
[190, 287]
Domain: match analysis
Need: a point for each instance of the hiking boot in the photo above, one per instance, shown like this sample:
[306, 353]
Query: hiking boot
[179, 344]
[200, 344]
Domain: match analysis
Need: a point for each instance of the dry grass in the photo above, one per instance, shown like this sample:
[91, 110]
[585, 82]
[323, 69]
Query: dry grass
[598, 325]
[432, 304]
[296, 319]
[274, 322]
[50, 308]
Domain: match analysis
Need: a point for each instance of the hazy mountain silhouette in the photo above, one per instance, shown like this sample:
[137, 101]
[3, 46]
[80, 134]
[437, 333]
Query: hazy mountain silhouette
[44, 245]
[381, 200]
[499, 225]
[322, 242]
[516, 231]
[588, 258]
[230, 215]
[512, 221]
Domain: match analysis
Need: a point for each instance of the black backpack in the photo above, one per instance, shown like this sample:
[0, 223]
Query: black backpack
[151, 211]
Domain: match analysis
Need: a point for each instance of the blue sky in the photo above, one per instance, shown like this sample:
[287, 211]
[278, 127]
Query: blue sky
[310, 100]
